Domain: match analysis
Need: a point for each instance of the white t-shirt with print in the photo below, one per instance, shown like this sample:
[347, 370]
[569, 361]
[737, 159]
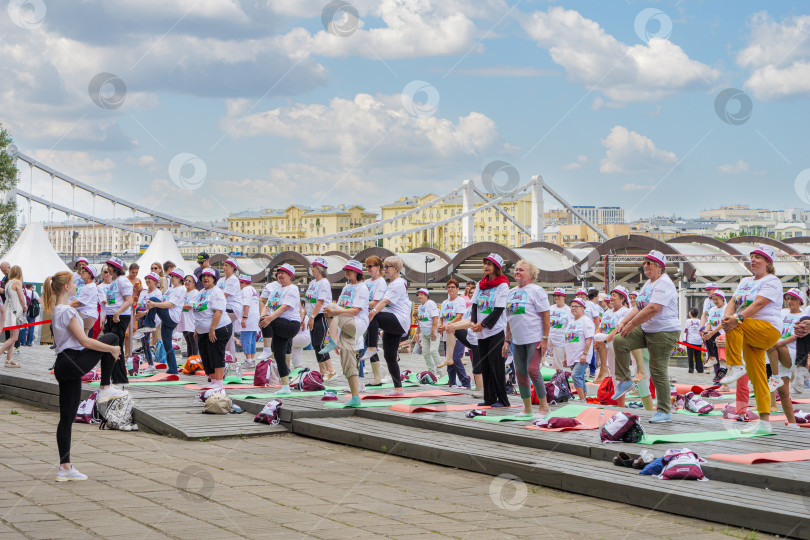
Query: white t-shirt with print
[789, 320]
[398, 303]
[450, 309]
[425, 313]
[376, 288]
[661, 291]
[233, 294]
[318, 290]
[524, 306]
[576, 333]
[611, 319]
[692, 330]
[88, 296]
[204, 306]
[768, 287]
[176, 296]
[286, 296]
[116, 292]
[62, 337]
[355, 295]
[716, 315]
[186, 323]
[487, 300]
[560, 317]
[251, 299]
[269, 288]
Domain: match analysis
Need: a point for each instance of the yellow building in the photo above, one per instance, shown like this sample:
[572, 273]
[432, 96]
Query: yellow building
[300, 222]
[489, 224]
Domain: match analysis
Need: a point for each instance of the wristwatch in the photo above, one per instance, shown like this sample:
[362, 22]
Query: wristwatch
[740, 318]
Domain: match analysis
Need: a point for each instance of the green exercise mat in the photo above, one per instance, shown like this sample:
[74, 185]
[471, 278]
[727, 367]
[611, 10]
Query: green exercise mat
[383, 403]
[144, 383]
[690, 413]
[547, 373]
[443, 380]
[511, 418]
[318, 393]
[699, 437]
[568, 411]
[391, 385]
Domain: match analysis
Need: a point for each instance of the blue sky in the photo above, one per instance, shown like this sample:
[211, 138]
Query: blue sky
[266, 107]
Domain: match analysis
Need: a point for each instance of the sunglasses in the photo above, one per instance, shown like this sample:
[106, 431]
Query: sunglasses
[388, 266]
[452, 287]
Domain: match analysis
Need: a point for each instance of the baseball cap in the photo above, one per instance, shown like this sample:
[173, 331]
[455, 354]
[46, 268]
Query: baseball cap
[354, 265]
[657, 257]
[559, 291]
[765, 251]
[495, 259]
[203, 256]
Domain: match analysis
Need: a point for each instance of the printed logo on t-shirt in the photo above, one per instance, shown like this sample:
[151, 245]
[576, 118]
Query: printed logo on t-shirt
[422, 314]
[486, 301]
[788, 322]
[573, 332]
[747, 293]
[516, 302]
[557, 316]
[201, 303]
[111, 290]
[312, 292]
[643, 297]
[275, 300]
[346, 298]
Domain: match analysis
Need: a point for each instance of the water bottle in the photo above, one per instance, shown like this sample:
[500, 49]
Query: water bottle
[129, 364]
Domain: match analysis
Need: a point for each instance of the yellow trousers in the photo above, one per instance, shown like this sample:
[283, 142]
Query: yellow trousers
[750, 340]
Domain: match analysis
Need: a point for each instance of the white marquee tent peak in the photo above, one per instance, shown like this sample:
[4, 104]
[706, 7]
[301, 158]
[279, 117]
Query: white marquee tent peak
[35, 255]
[162, 248]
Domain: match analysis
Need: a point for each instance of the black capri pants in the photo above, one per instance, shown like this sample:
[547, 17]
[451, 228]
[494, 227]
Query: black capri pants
[475, 353]
[284, 330]
[320, 329]
[213, 354]
[391, 338]
[119, 329]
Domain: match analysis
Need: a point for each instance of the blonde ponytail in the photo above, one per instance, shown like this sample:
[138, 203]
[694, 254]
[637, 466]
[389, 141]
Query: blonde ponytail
[52, 286]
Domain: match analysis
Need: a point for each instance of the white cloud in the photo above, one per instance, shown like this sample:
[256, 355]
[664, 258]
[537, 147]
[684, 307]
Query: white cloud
[580, 161]
[623, 73]
[505, 71]
[735, 168]
[79, 165]
[149, 162]
[636, 187]
[629, 152]
[372, 129]
[778, 55]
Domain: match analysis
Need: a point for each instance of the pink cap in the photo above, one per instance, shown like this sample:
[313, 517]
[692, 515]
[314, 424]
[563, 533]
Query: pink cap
[116, 262]
[355, 266]
[657, 257]
[765, 251]
[796, 293]
[319, 261]
[578, 301]
[286, 268]
[423, 291]
[618, 289]
[720, 293]
[495, 259]
[232, 262]
[582, 290]
[244, 278]
[90, 270]
[153, 276]
[177, 273]
[710, 286]
[208, 272]
[559, 291]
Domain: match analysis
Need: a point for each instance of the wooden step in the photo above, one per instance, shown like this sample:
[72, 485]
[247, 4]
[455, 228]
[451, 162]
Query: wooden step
[731, 504]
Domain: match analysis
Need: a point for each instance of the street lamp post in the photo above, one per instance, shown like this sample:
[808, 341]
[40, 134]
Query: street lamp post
[428, 260]
[74, 236]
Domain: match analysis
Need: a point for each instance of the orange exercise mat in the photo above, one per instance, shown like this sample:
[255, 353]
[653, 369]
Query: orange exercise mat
[588, 419]
[424, 393]
[764, 457]
[402, 407]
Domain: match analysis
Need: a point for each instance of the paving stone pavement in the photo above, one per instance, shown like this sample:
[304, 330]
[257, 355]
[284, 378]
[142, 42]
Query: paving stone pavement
[282, 486]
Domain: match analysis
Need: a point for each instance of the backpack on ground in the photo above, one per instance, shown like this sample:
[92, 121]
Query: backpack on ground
[160, 353]
[193, 364]
[218, 403]
[266, 373]
[117, 414]
[557, 389]
[697, 405]
[269, 414]
[86, 413]
[311, 381]
[426, 377]
[604, 394]
[91, 376]
[622, 427]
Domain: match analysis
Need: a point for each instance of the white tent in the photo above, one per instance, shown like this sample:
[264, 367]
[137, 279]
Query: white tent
[162, 249]
[34, 254]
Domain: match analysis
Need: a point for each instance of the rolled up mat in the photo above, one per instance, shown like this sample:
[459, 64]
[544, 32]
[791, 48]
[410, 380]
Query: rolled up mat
[764, 457]
[424, 393]
[381, 403]
[678, 438]
[399, 407]
[690, 413]
[547, 373]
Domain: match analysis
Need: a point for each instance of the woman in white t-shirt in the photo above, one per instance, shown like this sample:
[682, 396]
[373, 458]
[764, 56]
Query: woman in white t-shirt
[349, 317]
[250, 319]
[169, 309]
[428, 335]
[284, 317]
[692, 336]
[211, 327]
[489, 324]
[267, 331]
[376, 290]
[783, 354]
[186, 325]
[229, 283]
[86, 301]
[528, 327]
[603, 341]
[560, 316]
[452, 311]
[653, 324]
[119, 312]
[753, 324]
[76, 355]
[393, 314]
[713, 330]
[578, 344]
[318, 294]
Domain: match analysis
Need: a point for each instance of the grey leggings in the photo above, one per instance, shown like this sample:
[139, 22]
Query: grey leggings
[527, 368]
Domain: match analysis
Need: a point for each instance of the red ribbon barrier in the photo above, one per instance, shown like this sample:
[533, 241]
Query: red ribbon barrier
[26, 325]
[692, 346]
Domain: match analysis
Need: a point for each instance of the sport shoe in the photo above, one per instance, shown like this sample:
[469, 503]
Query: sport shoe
[797, 387]
[63, 475]
[329, 375]
[775, 382]
[622, 388]
[141, 333]
[369, 353]
[331, 346]
[150, 370]
[733, 373]
[760, 426]
[793, 426]
[395, 393]
[249, 363]
[661, 418]
[354, 402]
[111, 393]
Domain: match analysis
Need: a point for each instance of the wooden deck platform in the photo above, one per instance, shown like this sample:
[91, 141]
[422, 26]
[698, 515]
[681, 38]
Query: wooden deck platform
[772, 497]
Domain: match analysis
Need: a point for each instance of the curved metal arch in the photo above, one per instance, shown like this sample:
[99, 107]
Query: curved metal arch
[552, 247]
[764, 240]
[710, 241]
[797, 240]
[635, 241]
[439, 253]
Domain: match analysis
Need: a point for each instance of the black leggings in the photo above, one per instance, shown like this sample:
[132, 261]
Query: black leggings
[802, 348]
[391, 338]
[119, 329]
[711, 347]
[475, 353]
[695, 360]
[320, 329]
[493, 369]
[68, 369]
[284, 330]
[191, 344]
[373, 337]
[212, 355]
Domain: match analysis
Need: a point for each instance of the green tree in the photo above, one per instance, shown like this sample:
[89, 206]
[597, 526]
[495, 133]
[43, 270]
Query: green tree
[8, 181]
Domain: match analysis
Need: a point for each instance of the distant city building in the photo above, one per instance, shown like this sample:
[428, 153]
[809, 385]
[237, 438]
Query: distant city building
[599, 215]
[301, 222]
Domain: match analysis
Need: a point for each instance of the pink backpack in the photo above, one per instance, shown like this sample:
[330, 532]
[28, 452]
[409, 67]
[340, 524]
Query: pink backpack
[269, 414]
[697, 405]
[801, 416]
[622, 427]
[682, 464]
[91, 376]
[266, 373]
[311, 381]
[557, 389]
[426, 377]
[86, 413]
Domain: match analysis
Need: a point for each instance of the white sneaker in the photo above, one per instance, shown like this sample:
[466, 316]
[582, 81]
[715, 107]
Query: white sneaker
[249, 363]
[111, 393]
[775, 382]
[733, 373]
[63, 475]
[368, 355]
[265, 354]
[760, 426]
[150, 370]
[797, 387]
[793, 426]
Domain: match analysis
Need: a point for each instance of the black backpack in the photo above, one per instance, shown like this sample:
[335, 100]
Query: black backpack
[33, 308]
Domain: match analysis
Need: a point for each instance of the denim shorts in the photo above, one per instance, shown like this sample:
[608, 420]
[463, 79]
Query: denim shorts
[578, 374]
[248, 342]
